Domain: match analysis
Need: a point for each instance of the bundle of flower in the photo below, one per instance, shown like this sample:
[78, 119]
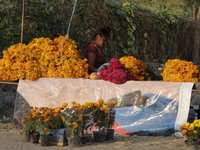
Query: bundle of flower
[177, 70]
[42, 119]
[115, 72]
[191, 131]
[135, 67]
[43, 57]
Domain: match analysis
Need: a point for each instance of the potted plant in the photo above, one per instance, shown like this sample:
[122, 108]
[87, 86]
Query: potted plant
[30, 128]
[73, 120]
[101, 121]
[88, 122]
[111, 115]
[191, 132]
[49, 120]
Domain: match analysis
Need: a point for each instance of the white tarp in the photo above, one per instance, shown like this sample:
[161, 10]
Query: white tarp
[174, 96]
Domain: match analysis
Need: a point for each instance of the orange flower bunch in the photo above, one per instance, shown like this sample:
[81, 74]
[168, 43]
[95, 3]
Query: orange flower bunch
[42, 118]
[73, 119]
[191, 131]
[43, 57]
[135, 67]
[102, 116]
[177, 70]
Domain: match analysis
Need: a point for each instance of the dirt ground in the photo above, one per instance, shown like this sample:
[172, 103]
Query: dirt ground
[10, 139]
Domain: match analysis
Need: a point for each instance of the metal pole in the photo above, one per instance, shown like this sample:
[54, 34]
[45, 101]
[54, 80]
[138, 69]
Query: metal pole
[22, 25]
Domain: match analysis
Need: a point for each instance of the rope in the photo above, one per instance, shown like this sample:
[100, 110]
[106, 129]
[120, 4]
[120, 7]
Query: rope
[68, 29]
[71, 17]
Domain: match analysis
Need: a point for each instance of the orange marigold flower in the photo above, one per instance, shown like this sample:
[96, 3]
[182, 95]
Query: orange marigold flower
[23, 120]
[184, 131]
[64, 104]
[23, 106]
[100, 101]
[58, 109]
[55, 114]
[80, 117]
[77, 105]
[75, 125]
[46, 129]
[91, 116]
[73, 102]
[190, 128]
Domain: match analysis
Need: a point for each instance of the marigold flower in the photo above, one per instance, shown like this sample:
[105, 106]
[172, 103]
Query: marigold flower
[58, 109]
[73, 102]
[64, 104]
[75, 125]
[80, 117]
[45, 129]
[100, 101]
[23, 106]
[184, 131]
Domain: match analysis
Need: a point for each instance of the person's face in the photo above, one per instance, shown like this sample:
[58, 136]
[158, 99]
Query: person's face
[100, 40]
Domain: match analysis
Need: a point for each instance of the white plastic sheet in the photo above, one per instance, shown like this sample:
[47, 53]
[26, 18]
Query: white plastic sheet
[164, 101]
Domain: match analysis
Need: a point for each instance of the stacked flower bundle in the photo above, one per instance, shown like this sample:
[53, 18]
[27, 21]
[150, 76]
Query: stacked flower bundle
[135, 67]
[180, 71]
[115, 72]
[43, 57]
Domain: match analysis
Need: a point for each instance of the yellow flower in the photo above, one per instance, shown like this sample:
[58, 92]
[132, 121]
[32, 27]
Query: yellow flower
[194, 131]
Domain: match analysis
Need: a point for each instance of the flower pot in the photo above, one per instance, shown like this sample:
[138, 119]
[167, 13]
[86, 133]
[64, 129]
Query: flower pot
[86, 139]
[35, 137]
[99, 136]
[110, 134]
[27, 137]
[45, 140]
[74, 141]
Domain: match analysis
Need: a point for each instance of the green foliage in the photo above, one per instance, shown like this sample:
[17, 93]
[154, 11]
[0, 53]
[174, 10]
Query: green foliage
[31, 126]
[127, 18]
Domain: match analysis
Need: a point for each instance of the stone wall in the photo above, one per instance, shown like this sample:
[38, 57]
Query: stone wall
[7, 101]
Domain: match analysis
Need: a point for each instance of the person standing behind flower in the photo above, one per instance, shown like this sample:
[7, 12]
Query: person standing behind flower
[95, 53]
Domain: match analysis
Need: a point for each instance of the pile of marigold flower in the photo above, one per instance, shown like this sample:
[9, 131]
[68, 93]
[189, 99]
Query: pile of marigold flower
[177, 70]
[43, 57]
[135, 67]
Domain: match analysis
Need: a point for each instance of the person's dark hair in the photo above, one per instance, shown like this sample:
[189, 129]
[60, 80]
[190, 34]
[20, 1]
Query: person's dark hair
[104, 31]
